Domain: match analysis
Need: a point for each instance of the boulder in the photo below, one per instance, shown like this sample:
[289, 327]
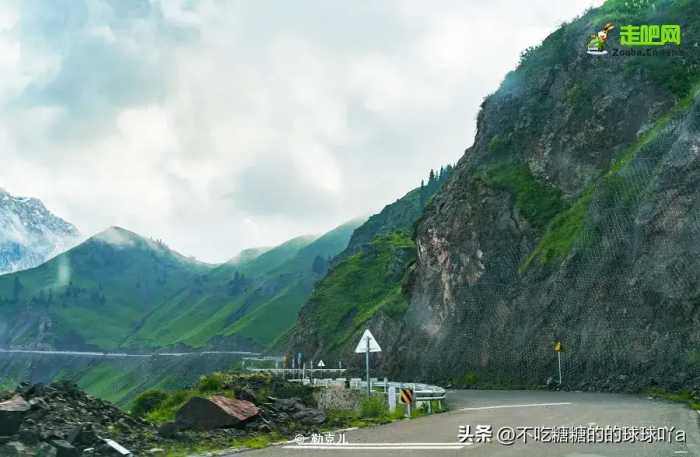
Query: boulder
[288, 405]
[86, 437]
[168, 430]
[12, 413]
[309, 416]
[65, 449]
[46, 450]
[13, 449]
[216, 412]
[286, 409]
[17, 449]
[246, 393]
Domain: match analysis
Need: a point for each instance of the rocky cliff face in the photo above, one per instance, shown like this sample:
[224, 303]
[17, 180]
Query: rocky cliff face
[30, 234]
[573, 217]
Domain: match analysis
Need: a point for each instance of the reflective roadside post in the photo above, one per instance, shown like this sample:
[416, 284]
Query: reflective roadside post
[558, 348]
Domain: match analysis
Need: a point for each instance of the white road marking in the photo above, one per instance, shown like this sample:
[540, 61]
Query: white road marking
[386, 444]
[531, 405]
[382, 446]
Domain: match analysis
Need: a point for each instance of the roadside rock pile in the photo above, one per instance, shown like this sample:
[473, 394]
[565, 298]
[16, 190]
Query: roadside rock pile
[283, 415]
[60, 420]
[292, 410]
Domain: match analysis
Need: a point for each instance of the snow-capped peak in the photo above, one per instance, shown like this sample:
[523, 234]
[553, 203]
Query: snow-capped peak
[30, 234]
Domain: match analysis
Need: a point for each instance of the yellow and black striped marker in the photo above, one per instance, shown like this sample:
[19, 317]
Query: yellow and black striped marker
[407, 396]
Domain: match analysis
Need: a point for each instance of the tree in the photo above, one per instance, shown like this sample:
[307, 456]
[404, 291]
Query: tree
[431, 177]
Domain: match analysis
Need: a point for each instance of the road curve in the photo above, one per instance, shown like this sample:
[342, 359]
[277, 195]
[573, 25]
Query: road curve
[517, 409]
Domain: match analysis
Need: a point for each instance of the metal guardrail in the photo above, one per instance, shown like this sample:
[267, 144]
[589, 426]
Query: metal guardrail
[423, 392]
[297, 371]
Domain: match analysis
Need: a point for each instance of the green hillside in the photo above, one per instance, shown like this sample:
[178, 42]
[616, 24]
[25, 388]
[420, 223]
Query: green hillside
[92, 295]
[244, 306]
[366, 279]
[121, 291]
[401, 215]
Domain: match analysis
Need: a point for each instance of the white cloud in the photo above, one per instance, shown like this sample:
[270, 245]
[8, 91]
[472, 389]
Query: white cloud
[223, 125]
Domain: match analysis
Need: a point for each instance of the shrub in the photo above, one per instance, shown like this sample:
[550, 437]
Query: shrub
[470, 379]
[147, 402]
[165, 411]
[373, 408]
[211, 383]
[399, 412]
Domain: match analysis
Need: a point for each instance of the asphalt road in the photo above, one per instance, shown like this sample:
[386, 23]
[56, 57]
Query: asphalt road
[437, 435]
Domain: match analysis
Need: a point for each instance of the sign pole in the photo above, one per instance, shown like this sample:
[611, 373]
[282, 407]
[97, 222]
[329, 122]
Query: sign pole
[367, 344]
[367, 367]
[559, 357]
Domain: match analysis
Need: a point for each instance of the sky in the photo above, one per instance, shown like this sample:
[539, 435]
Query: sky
[221, 125]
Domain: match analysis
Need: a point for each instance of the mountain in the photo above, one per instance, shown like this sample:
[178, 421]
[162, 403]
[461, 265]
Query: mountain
[366, 279]
[573, 217]
[246, 305]
[30, 234]
[118, 290]
[93, 295]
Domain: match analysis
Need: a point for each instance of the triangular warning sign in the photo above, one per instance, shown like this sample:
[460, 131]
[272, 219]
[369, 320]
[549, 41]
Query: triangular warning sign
[362, 345]
[321, 364]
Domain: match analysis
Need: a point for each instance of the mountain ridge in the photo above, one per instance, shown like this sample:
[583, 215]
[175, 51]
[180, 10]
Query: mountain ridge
[29, 233]
[120, 290]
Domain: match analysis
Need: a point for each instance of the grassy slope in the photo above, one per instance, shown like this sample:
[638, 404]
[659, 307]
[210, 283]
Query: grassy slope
[367, 277]
[362, 285]
[99, 290]
[265, 305]
[118, 290]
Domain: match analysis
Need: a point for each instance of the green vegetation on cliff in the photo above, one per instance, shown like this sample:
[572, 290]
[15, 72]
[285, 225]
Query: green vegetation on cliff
[400, 215]
[365, 282]
[568, 226]
[360, 286]
[538, 202]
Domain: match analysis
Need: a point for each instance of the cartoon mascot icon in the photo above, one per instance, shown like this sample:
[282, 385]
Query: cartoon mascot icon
[596, 45]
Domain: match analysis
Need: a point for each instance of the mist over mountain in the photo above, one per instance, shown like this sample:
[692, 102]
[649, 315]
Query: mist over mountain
[30, 234]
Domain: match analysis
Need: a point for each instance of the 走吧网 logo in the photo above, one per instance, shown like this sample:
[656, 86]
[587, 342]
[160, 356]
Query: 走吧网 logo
[651, 35]
[596, 45]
